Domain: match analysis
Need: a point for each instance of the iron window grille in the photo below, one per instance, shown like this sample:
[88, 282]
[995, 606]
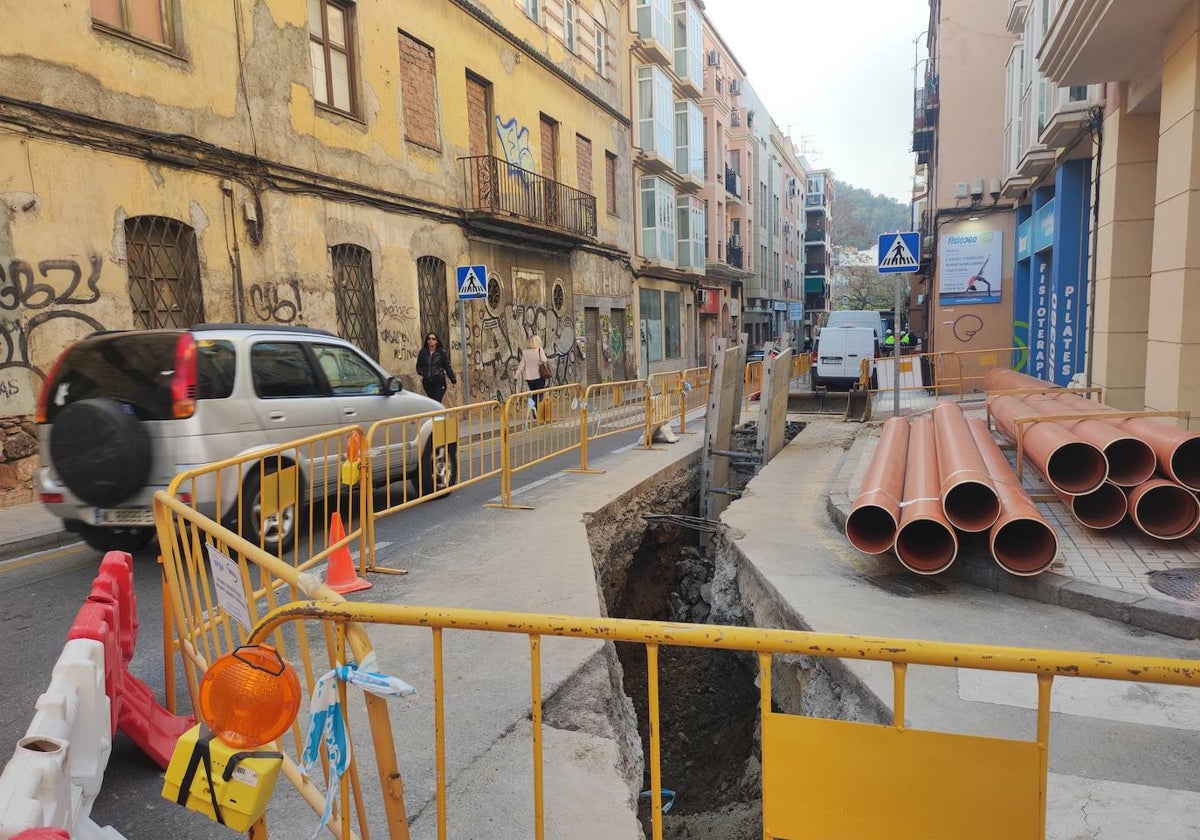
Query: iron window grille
[164, 273]
[354, 297]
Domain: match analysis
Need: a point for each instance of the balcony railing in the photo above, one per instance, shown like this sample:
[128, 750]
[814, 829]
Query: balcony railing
[814, 236]
[733, 255]
[814, 200]
[733, 182]
[496, 186]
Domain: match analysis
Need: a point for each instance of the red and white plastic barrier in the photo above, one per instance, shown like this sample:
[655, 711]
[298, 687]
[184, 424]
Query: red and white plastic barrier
[58, 767]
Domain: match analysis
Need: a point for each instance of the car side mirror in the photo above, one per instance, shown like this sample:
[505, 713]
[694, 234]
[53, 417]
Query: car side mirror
[393, 385]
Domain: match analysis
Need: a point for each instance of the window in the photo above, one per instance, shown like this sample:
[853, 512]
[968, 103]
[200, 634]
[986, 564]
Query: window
[479, 116]
[354, 297]
[569, 24]
[689, 139]
[690, 223]
[216, 369]
[348, 374]
[164, 273]
[689, 64]
[655, 110]
[658, 219]
[418, 90]
[432, 297]
[149, 20]
[331, 34]
[671, 324]
[533, 8]
[610, 183]
[601, 40]
[583, 163]
[650, 301]
[654, 20]
[282, 369]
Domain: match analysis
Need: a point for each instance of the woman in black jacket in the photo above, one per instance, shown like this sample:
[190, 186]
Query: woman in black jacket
[433, 366]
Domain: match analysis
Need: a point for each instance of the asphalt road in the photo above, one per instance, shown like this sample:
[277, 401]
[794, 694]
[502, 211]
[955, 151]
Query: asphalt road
[40, 595]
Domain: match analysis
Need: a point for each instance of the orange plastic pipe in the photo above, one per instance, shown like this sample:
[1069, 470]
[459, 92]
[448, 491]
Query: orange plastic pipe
[925, 542]
[969, 499]
[1068, 464]
[875, 516]
[1130, 460]
[1164, 509]
[1021, 540]
[1002, 379]
[1103, 508]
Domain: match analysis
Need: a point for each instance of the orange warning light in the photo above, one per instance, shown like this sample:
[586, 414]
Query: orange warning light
[250, 697]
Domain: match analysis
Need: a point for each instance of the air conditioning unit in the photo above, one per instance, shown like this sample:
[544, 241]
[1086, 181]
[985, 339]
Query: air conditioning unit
[714, 58]
[735, 87]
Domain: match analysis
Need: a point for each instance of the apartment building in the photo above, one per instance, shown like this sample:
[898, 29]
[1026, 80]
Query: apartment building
[326, 163]
[818, 252]
[1144, 345]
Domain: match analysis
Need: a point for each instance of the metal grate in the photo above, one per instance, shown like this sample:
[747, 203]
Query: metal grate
[1183, 584]
[432, 298]
[354, 297]
[164, 273]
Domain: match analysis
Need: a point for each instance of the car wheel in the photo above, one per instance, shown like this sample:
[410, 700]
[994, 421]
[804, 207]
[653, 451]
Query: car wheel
[115, 539]
[439, 470]
[100, 450]
[275, 532]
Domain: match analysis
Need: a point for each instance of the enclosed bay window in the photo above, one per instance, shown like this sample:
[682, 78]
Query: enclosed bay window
[657, 199]
[689, 139]
[655, 107]
[688, 47]
[661, 325]
[690, 225]
[654, 20]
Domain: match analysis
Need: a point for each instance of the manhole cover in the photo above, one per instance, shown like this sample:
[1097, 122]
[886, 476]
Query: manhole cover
[1183, 584]
[906, 587]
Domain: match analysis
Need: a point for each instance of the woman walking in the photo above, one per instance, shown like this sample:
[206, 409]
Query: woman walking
[433, 366]
[534, 367]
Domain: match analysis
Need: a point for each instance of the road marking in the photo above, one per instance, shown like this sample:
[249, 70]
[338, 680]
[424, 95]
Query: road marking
[45, 556]
[1129, 702]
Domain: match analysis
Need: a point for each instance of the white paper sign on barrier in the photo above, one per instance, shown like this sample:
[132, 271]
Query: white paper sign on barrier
[910, 373]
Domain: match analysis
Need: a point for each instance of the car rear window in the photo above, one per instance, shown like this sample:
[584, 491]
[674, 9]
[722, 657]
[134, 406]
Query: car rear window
[136, 368]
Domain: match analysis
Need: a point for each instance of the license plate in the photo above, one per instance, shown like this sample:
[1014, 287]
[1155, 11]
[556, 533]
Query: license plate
[831, 360]
[124, 516]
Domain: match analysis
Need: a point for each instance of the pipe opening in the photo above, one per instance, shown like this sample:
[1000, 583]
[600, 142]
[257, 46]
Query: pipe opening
[1167, 511]
[871, 529]
[926, 546]
[1104, 507]
[1185, 463]
[1025, 546]
[1130, 461]
[1076, 468]
[971, 506]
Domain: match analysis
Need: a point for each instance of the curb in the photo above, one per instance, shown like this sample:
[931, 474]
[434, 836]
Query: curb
[38, 542]
[1171, 618]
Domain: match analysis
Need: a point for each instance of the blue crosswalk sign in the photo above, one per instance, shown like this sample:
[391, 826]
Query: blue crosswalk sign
[898, 253]
[472, 282]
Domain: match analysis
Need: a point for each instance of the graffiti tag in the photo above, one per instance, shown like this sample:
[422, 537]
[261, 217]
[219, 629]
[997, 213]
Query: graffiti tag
[278, 302]
[59, 284]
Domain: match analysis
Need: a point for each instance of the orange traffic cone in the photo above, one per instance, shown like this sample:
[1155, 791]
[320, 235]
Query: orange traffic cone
[340, 575]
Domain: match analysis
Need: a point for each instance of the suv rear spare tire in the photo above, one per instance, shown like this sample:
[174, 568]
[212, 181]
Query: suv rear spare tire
[100, 450]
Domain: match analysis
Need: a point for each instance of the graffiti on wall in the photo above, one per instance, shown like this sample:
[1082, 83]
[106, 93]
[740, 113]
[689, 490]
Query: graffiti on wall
[514, 143]
[398, 327]
[497, 342]
[278, 302]
[40, 288]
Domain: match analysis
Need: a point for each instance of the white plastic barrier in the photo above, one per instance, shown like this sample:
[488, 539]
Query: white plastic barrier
[58, 767]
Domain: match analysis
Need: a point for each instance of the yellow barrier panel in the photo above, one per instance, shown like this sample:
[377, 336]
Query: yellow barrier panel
[753, 382]
[536, 426]
[413, 459]
[973, 365]
[204, 604]
[609, 408]
[817, 773]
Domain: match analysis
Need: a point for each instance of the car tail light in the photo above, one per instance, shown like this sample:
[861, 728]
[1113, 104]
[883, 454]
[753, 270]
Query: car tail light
[43, 403]
[183, 382]
[51, 498]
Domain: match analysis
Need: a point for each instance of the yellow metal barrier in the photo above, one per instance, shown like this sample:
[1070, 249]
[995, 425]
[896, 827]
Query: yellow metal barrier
[535, 427]
[753, 382]
[973, 365]
[424, 456]
[192, 544]
[817, 773]
[609, 408]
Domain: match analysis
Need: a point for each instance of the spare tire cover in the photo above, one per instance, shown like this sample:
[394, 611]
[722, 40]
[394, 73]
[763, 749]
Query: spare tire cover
[100, 450]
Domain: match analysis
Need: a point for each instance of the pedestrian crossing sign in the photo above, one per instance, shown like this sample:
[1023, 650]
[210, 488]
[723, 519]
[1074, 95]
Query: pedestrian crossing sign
[472, 282]
[898, 253]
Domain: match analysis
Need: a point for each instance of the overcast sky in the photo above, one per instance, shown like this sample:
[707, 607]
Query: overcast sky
[842, 70]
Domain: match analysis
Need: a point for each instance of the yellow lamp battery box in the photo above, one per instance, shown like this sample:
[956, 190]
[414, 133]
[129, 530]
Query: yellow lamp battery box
[227, 785]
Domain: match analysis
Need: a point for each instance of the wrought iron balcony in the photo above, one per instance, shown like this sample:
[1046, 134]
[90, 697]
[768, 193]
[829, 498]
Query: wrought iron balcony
[733, 182]
[733, 255]
[499, 188]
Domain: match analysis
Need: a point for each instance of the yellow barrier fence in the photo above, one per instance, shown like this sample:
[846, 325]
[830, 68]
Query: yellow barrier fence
[753, 382]
[973, 365]
[204, 630]
[817, 773]
[609, 408]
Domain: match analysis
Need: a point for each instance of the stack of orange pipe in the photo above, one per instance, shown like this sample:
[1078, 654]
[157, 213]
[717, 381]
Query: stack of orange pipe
[1163, 506]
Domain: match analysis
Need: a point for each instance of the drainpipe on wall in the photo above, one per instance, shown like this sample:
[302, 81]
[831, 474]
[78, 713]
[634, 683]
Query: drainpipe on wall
[235, 255]
[1095, 125]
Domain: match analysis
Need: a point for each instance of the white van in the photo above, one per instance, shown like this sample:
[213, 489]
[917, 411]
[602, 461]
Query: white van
[858, 318]
[838, 357]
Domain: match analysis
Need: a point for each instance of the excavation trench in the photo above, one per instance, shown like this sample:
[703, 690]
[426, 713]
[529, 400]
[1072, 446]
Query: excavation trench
[651, 563]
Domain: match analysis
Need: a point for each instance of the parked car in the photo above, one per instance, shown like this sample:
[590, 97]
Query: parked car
[121, 413]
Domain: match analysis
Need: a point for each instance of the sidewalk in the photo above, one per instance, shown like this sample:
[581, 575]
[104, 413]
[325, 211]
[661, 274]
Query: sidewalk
[25, 529]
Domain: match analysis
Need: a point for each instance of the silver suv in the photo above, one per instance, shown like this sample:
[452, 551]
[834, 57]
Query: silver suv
[122, 413]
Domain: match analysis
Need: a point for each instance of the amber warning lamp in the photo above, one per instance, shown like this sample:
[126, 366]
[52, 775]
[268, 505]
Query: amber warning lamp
[250, 697]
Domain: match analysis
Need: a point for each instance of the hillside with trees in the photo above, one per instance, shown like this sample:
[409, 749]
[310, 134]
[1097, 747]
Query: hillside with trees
[859, 216]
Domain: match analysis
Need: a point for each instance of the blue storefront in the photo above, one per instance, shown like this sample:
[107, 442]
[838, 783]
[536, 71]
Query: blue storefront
[1051, 275]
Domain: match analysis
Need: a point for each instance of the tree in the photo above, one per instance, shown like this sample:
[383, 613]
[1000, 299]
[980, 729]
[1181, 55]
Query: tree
[863, 287]
[859, 216]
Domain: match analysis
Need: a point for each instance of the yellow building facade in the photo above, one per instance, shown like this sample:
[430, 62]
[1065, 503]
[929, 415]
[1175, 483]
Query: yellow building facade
[316, 162]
